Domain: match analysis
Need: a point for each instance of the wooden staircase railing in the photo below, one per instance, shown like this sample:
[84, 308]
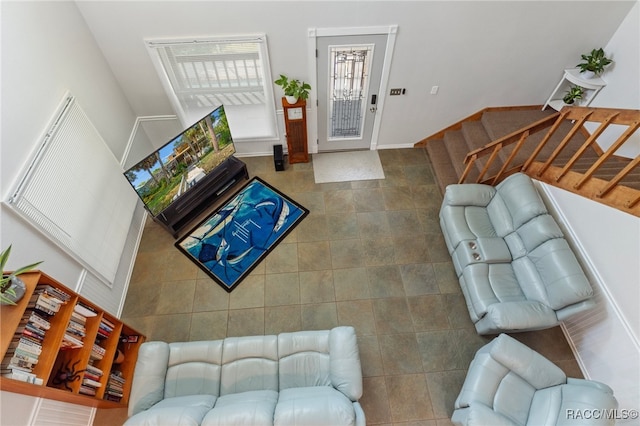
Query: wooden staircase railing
[556, 165]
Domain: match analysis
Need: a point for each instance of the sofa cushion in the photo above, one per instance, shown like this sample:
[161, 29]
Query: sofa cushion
[484, 284]
[460, 223]
[150, 374]
[521, 198]
[545, 407]
[193, 368]
[245, 408]
[304, 359]
[181, 410]
[249, 363]
[563, 278]
[317, 405]
[539, 230]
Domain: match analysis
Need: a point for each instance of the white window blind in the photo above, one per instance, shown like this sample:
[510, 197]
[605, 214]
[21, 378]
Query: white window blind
[74, 193]
[202, 74]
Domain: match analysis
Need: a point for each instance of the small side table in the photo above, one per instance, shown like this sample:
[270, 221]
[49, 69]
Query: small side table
[572, 76]
[295, 124]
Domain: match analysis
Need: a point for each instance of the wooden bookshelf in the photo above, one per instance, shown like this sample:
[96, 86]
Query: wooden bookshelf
[103, 329]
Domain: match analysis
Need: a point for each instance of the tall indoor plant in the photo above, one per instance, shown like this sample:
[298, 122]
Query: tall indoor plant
[293, 89]
[12, 288]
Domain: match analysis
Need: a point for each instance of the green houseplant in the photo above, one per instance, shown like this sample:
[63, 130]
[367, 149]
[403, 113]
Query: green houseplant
[11, 287]
[593, 64]
[293, 89]
[573, 94]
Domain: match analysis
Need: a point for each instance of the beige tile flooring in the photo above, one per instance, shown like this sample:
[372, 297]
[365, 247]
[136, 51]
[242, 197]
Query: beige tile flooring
[370, 254]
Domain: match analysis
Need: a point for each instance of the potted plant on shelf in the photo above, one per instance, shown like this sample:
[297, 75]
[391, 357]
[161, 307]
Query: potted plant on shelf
[573, 94]
[293, 89]
[12, 288]
[593, 63]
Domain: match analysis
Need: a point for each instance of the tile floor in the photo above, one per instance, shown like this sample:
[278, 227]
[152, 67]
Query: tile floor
[370, 254]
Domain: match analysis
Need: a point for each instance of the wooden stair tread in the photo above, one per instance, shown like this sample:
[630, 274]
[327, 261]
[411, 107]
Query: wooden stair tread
[450, 149]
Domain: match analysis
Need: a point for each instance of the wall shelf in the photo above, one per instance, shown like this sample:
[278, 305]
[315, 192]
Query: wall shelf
[108, 334]
[571, 77]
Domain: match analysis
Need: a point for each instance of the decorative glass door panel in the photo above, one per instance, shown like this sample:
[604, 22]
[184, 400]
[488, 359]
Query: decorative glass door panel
[350, 68]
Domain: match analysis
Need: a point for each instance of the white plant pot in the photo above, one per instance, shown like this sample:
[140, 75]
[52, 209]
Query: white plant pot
[587, 75]
[291, 99]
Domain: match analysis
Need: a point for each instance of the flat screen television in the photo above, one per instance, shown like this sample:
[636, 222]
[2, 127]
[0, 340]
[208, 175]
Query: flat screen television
[168, 173]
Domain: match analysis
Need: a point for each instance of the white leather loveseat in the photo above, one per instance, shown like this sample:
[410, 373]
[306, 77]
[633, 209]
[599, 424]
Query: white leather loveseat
[300, 378]
[516, 270]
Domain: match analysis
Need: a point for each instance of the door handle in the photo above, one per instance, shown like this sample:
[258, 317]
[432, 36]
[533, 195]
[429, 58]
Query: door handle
[374, 99]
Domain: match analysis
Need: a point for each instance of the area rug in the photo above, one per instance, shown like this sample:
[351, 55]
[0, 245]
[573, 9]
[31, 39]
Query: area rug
[232, 241]
[347, 166]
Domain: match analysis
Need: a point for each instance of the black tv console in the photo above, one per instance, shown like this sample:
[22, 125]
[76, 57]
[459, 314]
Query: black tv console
[205, 193]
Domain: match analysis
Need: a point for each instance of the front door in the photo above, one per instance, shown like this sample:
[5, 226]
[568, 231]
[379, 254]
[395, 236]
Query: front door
[349, 70]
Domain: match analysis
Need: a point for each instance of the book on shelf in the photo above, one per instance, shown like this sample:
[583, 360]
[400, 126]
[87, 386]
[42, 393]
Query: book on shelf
[78, 317]
[87, 390]
[92, 369]
[84, 310]
[23, 377]
[17, 354]
[91, 382]
[115, 387]
[53, 292]
[25, 345]
[70, 342]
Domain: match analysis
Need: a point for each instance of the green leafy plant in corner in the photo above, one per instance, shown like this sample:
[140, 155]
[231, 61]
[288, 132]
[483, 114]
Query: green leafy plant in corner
[573, 94]
[594, 61]
[293, 87]
[5, 283]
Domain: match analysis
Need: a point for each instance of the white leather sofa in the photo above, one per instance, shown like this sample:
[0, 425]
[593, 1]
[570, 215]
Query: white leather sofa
[300, 378]
[510, 384]
[515, 268]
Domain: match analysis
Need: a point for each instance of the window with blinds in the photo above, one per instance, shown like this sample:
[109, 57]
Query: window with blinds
[200, 75]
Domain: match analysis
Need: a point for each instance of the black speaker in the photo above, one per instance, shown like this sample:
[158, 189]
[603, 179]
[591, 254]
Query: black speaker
[278, 158]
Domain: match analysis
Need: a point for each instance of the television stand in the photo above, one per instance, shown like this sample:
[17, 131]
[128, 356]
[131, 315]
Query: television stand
[204, 194]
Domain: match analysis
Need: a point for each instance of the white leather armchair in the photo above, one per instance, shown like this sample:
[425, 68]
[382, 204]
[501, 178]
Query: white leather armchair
[510, 384]
[306, 377]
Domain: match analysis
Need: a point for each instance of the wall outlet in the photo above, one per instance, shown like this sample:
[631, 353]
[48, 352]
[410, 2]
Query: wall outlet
[434, 90]
[395, 92]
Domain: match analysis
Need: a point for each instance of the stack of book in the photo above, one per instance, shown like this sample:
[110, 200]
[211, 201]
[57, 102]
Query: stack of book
[106, 327]
[115, 387]
[76, 328]
[97, 353]
[26, 346]
[91, 381]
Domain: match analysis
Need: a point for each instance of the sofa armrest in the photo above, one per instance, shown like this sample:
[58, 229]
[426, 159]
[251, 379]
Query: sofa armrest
[537, 370]
[468, 194]
[576, 308]
[479, 414]
[147, 388]
[516, 316]
[591, 384]
[345, 369]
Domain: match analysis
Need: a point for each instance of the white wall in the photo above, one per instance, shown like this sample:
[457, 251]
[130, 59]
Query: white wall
[623, 79]
[47, 49]
[607, 340]
[479, 53]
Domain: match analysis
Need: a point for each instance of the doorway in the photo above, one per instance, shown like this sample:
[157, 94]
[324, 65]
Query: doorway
[351, 70]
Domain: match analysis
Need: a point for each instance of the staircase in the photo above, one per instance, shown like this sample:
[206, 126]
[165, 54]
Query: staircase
[553, 147]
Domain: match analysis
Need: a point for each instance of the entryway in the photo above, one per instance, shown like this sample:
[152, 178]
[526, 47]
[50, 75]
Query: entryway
[352, 67]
